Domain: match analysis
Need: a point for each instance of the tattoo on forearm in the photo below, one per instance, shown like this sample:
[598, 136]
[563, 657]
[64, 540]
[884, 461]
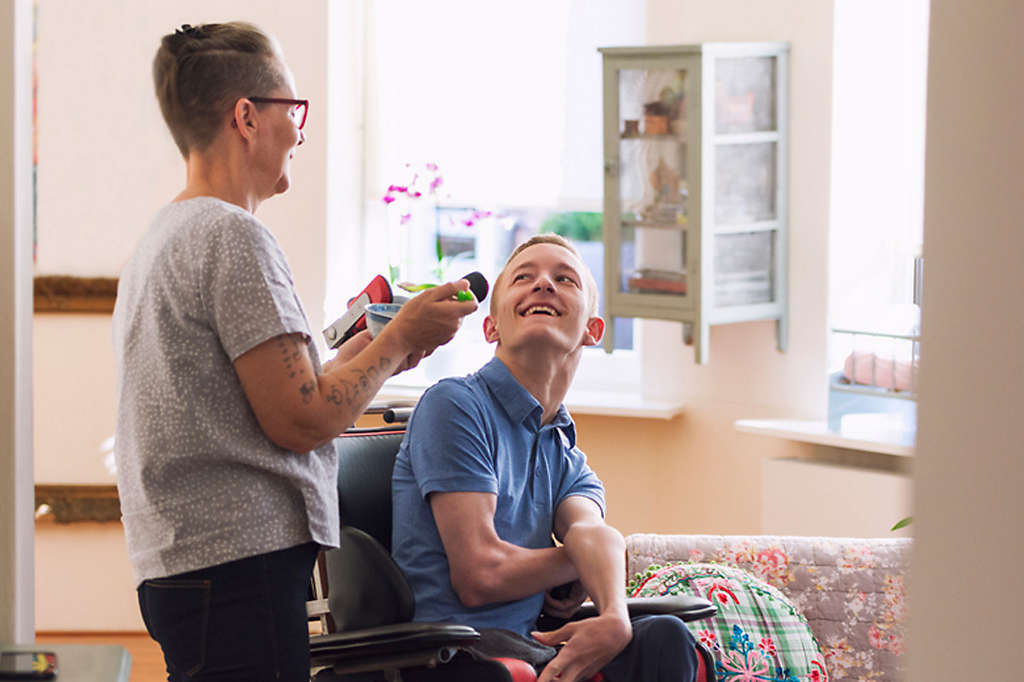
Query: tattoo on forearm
[307, 390]
[334, 395]
[342, 392]
[349, 392]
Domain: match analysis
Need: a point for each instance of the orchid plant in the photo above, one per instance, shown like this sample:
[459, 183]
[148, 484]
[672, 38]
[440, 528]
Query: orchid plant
[421, 185]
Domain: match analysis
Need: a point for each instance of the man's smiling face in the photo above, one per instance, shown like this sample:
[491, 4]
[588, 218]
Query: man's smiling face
[543, 296]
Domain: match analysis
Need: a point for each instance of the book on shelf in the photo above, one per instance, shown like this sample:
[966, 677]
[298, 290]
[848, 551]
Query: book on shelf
[648, 280]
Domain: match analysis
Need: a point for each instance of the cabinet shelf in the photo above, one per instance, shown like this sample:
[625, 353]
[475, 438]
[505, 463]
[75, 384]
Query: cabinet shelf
[883, 335]
[659, 137]
[747, 138]
[656, 225]
[745, 228]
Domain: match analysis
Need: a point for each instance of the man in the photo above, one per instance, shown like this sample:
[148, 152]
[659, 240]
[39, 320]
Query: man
[489, 470]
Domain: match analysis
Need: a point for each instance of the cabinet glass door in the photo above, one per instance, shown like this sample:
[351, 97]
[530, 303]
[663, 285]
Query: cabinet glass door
[652, 181]
[746, 211]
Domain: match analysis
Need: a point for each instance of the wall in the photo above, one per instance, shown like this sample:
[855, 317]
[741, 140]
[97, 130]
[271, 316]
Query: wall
[968, 489]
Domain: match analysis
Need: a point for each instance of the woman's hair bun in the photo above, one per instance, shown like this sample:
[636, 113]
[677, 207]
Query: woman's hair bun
[190, 31]
[185, 38]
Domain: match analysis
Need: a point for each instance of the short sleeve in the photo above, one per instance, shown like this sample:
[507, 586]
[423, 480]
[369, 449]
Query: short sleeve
[246, 286]
[448, 442]
[580, 480]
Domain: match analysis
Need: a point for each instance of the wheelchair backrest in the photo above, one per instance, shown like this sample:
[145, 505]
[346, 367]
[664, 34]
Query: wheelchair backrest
[366, 460]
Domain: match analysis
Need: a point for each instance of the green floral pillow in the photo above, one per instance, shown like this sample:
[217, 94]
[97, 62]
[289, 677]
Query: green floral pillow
[757, 634]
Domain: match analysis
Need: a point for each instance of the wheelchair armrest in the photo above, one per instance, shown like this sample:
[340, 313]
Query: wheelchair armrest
[685, 607]
[390, 646]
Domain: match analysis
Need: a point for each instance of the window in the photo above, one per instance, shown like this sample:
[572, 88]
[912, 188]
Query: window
[510, 118]
[877, 208]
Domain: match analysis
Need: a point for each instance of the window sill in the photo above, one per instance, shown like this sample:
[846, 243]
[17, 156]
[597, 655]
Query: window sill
[817, 432]
[577, 402]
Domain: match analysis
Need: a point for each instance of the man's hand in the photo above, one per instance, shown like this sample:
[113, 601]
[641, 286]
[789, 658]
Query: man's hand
[589, 645]
[567, 602]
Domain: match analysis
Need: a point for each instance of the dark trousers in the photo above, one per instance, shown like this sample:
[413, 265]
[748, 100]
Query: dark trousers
[662, 650]
[243, 621]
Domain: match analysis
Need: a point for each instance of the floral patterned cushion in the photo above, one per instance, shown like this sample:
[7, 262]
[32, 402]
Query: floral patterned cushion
[757, 635]
[851, 590]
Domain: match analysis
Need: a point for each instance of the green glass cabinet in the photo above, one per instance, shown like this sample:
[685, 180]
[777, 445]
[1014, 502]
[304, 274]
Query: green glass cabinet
[695, 186]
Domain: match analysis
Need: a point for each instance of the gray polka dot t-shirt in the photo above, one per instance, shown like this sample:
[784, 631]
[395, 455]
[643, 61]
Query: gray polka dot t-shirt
[199, 481]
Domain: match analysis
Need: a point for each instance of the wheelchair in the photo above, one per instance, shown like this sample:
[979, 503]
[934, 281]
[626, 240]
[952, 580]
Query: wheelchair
[365, 605]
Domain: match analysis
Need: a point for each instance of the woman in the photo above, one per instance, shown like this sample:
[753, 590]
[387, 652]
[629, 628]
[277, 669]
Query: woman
[226, 470]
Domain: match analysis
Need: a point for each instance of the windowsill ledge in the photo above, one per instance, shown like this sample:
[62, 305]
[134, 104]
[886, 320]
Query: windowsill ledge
[817, 432]
[599, 403]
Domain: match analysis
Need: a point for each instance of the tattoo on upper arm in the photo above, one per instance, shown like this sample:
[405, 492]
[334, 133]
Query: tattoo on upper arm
[307, 390]
[291, 355]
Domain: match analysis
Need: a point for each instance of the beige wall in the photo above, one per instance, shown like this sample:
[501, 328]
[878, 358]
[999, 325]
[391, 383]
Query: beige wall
[968, 488]
[84, 579]
[693, 474]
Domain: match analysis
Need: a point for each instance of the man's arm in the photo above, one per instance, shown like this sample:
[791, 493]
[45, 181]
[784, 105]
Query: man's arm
[598, 552]
[484, 569]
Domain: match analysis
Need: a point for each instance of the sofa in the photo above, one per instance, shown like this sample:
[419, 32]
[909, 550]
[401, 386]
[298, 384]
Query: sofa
[851, 591]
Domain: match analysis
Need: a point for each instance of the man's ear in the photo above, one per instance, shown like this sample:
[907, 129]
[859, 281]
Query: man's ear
[595, 330]
[244, 118]
[491, 330]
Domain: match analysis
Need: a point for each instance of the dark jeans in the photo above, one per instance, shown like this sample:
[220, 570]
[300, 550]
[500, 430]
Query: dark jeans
[243, 621]
[662, 650]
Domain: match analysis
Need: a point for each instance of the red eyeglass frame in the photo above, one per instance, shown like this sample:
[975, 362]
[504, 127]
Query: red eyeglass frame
[304, 103]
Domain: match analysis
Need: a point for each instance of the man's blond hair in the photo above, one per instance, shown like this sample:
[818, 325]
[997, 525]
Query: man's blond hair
[590, 283]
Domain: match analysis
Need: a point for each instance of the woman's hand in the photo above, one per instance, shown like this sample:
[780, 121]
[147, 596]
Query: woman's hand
[411, 360]
[349, 349]
[430, 319]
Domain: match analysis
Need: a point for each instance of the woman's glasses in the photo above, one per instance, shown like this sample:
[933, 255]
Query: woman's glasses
[298, 113]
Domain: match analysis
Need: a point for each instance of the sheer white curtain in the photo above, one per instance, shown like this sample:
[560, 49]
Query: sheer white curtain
[877, 158]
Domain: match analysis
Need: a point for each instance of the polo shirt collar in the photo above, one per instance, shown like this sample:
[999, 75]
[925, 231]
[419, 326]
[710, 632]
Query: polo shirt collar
[519, 404]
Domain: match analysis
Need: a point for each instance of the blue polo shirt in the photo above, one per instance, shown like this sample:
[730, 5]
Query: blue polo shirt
[483, 433]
